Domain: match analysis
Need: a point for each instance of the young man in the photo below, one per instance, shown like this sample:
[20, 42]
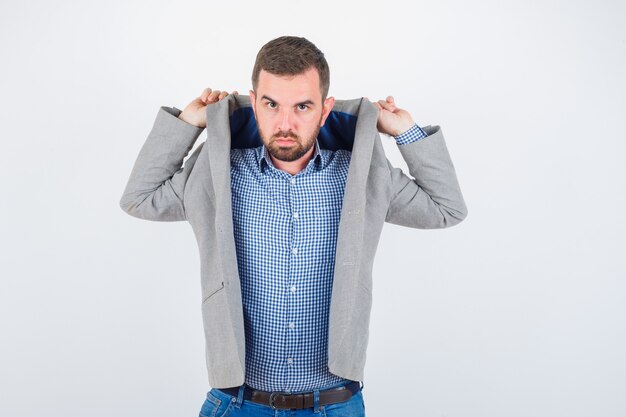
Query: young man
[287, 198]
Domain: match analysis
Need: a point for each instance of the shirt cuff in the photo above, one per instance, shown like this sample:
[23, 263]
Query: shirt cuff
[413, 134]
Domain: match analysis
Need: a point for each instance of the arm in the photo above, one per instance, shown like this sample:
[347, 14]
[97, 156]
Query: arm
[432, 199]
[157, 182]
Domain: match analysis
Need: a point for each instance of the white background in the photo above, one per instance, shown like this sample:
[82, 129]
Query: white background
[518, 311]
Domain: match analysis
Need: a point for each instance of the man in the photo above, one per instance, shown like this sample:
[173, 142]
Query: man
[287, 198]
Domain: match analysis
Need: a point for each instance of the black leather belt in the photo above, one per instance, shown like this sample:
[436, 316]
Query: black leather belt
[283, 401]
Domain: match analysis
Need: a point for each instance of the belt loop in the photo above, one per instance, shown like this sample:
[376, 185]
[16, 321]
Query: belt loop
[316, 401]
[240, 395]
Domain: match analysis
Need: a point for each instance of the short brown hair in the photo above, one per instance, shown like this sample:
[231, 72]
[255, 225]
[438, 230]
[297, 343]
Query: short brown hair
[291, 55]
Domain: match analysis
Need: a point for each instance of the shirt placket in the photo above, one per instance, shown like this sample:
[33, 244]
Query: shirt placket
[291, 334]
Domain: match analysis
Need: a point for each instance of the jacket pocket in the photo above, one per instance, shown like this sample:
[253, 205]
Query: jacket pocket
[219, 336]
[212, 293]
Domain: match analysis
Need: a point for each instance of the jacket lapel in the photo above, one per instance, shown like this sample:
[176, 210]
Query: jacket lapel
[352, 213]
[348, 258]
[218, 146]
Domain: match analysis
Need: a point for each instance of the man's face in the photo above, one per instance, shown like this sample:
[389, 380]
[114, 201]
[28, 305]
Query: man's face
[289, 113]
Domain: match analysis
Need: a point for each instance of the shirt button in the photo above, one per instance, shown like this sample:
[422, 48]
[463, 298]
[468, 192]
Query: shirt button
[294, 251]
[293, 288]
[295, 215]
[289, 361]
[293, 181]
[292, 325]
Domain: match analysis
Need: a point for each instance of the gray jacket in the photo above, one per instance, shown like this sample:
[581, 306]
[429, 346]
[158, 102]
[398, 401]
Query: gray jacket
[160, 188]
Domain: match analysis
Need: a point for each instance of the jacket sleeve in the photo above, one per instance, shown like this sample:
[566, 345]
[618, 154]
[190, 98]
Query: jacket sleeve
[433, 199]
[157, 182]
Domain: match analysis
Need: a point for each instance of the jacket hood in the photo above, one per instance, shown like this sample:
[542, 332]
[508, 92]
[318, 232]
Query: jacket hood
[338, 131]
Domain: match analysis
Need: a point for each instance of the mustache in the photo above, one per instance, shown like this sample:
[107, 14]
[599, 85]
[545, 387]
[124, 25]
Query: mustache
[282, 134]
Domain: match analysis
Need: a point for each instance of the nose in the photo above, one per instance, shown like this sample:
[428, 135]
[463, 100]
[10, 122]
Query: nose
[285, 120]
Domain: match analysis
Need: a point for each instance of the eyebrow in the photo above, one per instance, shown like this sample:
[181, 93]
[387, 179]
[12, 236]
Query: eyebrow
[297, 104]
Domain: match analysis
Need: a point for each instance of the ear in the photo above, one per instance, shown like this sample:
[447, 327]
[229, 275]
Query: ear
[328, 106]
[253, 102]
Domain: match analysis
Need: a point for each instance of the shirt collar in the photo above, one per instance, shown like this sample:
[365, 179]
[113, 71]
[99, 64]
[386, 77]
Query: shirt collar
[317, 158]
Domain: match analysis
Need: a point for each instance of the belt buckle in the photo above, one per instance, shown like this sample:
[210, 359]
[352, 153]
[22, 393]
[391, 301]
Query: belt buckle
[272, 397]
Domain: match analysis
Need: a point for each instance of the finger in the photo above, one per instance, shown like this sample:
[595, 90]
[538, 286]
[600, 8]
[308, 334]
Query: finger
[235, 92]
[222, 95]
[214, 94]
[391, 101]
[388, 106]
[205, 94]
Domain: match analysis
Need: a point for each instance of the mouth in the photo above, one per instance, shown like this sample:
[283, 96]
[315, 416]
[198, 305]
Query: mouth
[284, 141]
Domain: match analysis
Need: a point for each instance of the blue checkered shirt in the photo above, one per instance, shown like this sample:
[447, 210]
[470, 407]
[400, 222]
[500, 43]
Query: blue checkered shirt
[285, 230]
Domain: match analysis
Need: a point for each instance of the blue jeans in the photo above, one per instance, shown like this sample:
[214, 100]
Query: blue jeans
[221, 404]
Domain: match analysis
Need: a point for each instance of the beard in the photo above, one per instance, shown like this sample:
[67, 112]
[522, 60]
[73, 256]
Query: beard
[291, 152]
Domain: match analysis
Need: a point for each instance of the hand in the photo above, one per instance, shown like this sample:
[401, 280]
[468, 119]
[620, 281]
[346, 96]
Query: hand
[392, 120]
[194, 113]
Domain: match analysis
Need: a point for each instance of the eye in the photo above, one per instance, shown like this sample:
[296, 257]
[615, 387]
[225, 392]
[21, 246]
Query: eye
[271, 104]
[303, 107]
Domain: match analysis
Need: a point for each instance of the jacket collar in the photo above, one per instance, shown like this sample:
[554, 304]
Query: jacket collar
[338, 131]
